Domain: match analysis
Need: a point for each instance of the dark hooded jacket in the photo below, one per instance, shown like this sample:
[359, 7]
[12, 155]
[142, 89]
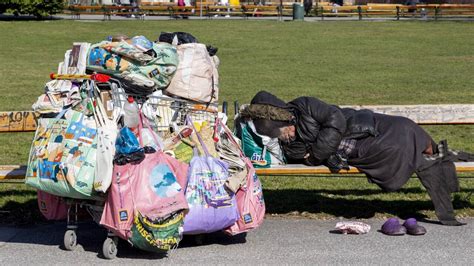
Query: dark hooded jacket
[320, 127]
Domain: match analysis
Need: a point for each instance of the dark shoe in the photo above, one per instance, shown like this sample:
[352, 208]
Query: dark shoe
[413, 228]
[392, 227]
[451, 222]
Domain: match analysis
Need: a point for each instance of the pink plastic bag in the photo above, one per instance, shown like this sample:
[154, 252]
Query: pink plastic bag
[250, 202]
[150, 188]
[52, 207]
[118, 209]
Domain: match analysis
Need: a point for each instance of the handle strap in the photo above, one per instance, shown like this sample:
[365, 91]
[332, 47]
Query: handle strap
[144, 121]
[232, 139]
[100, 112]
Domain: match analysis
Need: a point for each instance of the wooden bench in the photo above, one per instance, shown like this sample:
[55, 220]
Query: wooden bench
[124, 11]
[77, 10]
[452, 114]
[201, 7]
[340, 11]
[182, 11]
[219, 10]
[261, 10]
[450, 10]
[106, 11]
[381, 10]
[157, 9]
[361, 11]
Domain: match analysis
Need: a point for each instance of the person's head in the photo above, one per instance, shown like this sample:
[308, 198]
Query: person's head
[287, 133]
[282, 130]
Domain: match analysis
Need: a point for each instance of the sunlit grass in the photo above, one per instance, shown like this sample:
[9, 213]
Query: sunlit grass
[347, 63]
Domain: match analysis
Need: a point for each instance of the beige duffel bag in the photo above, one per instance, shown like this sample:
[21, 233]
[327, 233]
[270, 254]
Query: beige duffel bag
[196, 78]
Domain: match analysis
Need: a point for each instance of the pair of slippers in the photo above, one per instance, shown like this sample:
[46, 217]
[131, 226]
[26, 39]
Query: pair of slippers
[393, 227]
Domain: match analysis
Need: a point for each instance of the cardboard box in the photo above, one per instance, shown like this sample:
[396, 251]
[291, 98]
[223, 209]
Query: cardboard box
[106, 97]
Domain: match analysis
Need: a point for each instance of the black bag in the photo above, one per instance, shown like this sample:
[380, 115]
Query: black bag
[183, 37]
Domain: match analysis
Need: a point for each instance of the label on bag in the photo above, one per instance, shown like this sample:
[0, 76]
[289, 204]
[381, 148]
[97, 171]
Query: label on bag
[123, 215]
[247, 218]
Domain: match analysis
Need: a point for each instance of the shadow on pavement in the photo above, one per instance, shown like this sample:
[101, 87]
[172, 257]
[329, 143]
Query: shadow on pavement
[333, 203]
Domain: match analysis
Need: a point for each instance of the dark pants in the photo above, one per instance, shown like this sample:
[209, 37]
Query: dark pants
[440, 180]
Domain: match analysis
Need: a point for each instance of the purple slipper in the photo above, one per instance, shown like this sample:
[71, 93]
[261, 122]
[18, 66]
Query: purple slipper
[392, 227]
[413, 228]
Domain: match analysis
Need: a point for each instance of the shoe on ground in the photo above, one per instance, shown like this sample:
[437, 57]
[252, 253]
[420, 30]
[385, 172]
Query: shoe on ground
[392, 227]
[413, 228]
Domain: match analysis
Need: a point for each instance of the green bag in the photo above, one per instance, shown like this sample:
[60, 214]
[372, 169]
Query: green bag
[63, 156]
[126, 61]
[183, 152]
[157, 236]
[253, 147]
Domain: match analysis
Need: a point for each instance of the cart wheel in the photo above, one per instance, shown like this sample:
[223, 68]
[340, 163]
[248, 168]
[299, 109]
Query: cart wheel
[70, 240]
[109, 248]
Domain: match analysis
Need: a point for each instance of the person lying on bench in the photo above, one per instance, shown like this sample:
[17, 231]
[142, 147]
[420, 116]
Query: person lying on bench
[388, 149]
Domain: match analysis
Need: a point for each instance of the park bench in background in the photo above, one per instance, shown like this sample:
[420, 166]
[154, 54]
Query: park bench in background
[397, 11]
[220, 10]
[287, 9]
[106, 11]
[157, 9]
[341, 11]
[182, 11]
[124, 11]
[452, 114]
[261, 10]
[446, 10]
[77, 10]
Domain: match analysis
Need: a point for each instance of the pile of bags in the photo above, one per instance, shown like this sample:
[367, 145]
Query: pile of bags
[157, 179]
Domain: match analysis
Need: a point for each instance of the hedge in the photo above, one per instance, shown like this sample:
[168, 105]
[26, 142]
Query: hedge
[36, 8]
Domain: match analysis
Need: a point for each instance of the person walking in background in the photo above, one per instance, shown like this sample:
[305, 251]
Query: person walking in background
[308, 5]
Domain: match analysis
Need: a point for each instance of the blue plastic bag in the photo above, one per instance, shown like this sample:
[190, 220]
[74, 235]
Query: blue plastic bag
[127, 142]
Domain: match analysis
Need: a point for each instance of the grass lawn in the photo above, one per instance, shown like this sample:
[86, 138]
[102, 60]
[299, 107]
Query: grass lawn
[339, 62]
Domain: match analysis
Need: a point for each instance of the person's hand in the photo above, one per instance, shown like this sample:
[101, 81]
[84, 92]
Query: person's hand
[336, 162]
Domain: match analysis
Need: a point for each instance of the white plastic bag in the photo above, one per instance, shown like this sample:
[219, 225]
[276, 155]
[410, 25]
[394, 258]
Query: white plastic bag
[351, 227]
[106, 136]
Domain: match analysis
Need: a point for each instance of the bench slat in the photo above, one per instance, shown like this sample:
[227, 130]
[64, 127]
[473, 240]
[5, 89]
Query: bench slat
[300, 169]
[19, 171]
[428, 113]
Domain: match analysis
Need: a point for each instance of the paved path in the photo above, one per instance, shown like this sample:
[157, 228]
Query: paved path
[278, 241]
